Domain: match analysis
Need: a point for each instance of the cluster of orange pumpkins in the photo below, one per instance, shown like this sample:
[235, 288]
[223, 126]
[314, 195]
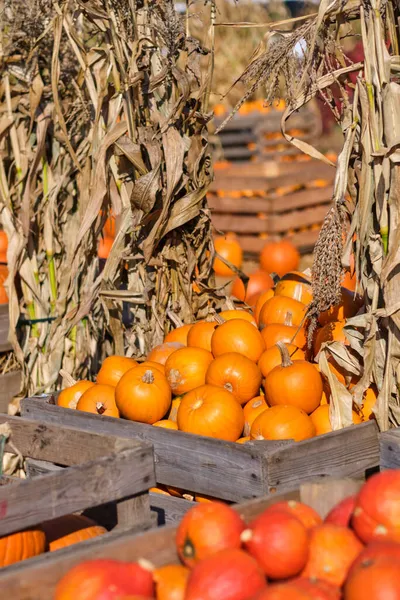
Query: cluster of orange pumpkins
[244, 374]
[288, 552]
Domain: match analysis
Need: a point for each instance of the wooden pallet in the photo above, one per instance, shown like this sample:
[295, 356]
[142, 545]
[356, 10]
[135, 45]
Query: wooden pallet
[271, 205]
[227, 470]
[99, 470]
[37, 579]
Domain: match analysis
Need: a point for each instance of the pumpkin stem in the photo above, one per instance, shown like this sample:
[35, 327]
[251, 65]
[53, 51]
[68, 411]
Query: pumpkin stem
[67, 377]
[220, 320]
[285, 358]
[228, 386]
[146, 564]
[288, 319]
[148, 377]
[298, 292]
[100, 408]
[246, 535]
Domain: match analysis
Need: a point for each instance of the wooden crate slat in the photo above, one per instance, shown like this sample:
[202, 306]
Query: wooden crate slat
[298, 218]
[303, 240]
[5, 345]
[63, 445]
[390, 449]
[10, 384]
[109, 478]
[241, 223]
[301, 199]
[37, 579]
[241, 205]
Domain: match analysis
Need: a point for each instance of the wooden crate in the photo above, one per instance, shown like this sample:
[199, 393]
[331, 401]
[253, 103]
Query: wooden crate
[5, 345]
[100, 470]
[10, 385]
[227, 470]
[290, 200]
[390, 449]
[38, 579]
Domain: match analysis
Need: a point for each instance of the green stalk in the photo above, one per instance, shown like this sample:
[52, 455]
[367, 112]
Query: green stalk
[384, 231]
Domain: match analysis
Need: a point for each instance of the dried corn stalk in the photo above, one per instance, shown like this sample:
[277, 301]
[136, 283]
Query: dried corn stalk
[102, 105]
[364, 217]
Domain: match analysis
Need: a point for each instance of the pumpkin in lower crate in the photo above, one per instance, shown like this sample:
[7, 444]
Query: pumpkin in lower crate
[106, 579]
[307, 515]
[376, 579]
[160, 353]
[230, 574]
[282, 423]
[238, 336]
[143, 395]
[341, 513]
[236, 373]
[186, 369]
[318, 590]
[100, 400]
[279, 257]
[70, 529]
[332, 550]
[113, 368]
[279, 543]
[206, 529]
[69, 397]
[21, 545]
[211, 411]
[171, 582]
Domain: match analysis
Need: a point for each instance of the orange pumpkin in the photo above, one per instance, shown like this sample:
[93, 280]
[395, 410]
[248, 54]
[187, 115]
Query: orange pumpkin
[104, 247]
[261, 300]
[230, 315]
[277, 308]
[21, 545]
[3, 242]
[279, 257]
[321, 420]
[271, 358]
[238, 336]
[186, 369]
[70, 529]
[368, 403]
[297, 383]
[287, 333]
[113, 368]
[143, 395]
[349, 306]
[295, 285]
[251, 410]
[173, 411]
[200, 335]
[159, 490]
[243, 440]
[331, 332]
[100, 400]
[109, 227]
[211, 411]
[160, 353]
[229, 248]
[236, 373]
[151, 364]
[258, 282]
[282, 423]
[180, 334]
[171, 581]
[166, 424]
[3, 277]
[68, 398]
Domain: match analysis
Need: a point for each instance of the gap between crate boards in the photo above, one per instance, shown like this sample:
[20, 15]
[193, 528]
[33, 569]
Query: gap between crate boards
[226, 470]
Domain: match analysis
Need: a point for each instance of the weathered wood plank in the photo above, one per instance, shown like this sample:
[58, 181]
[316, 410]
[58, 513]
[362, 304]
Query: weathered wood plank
[10, 384]
[390, 449]
[5, 345]
[205, 465]
[114, 477]
[36, 578]
[62, 445]
[303, 240]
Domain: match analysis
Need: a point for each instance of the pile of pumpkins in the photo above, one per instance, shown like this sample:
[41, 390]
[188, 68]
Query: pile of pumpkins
[243, 374]
[286, 553]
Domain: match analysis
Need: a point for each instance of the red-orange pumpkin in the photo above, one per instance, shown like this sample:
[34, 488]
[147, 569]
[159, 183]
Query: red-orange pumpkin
[171, 581]
[229, 248]
[70, 529]
[258, 282]
[279, 257]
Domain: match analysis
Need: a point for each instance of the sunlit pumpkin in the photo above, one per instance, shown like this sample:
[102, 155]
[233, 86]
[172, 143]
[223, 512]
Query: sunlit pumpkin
[200, 335]
[261, 300]
[229, 248]
[258, 282]
[211, 411]
[251, 410]
[331, 332]
[143, 395]
[295, 285]
[236, 373]
[99, 400]
[160, 353]
[349, 306]
[286, 332]
[166, 424]
[70, 529]
[171, 582]
[279, 257]
[321, 420]
[230, 315]
[296, 382]
[113, 368]
[272, 358]
[179, 334]
[68, 397]
[3, 242]
[238, 336]
[21, 545]
[186, 369]
[277, 308]
[282, 423]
